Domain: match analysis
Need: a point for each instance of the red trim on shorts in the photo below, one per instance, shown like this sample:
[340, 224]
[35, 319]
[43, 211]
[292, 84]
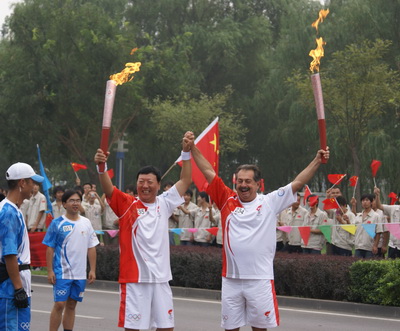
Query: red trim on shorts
[122, 306]
[275, 302]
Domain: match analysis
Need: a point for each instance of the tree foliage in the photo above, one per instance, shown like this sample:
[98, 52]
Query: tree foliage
[202, 59]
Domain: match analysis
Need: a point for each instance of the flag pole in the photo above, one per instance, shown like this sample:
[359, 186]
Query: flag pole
[169, 169]
[337, 182]
[354, 191]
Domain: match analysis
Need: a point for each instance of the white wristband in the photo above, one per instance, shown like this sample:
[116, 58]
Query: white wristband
[185, 156]
[105, 169]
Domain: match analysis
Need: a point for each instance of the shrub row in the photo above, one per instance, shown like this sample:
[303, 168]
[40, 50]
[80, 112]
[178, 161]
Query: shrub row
[310, 276]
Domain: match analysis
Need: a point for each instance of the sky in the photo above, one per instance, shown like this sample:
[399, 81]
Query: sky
[5, 9]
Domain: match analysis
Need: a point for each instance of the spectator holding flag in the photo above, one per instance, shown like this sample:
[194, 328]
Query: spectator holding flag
[249, 240]
[342, 240]
[35, 218]
[393, 212]
[313, 218]
[366, 240]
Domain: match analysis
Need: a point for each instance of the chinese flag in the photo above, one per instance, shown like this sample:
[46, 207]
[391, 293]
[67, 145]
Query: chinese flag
[262, 185]
[335, 178]
[393, 198]
[330, 204]
[353, 181]
[313, 201]
[110, 173]
[208, 144]
[77, 166]
[375, 164]
[307, 192]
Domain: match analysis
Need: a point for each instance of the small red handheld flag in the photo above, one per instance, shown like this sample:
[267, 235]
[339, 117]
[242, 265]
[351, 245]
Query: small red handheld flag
[110, 173]
[77, 166]
[330, 204]
[393, 198]
[313, 201]
[262, 186]
[375, 164]
[307, 192]
[335, 178]
[353, 181]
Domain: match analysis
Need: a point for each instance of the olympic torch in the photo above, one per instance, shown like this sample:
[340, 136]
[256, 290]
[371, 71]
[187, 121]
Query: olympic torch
[111, 87]
[109, 98]
[316, 54]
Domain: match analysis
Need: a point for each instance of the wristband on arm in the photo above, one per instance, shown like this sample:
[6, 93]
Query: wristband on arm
[185, 156]
[105, 169]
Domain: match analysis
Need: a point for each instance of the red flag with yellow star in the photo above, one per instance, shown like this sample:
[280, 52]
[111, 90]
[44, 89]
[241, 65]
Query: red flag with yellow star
[208, 144]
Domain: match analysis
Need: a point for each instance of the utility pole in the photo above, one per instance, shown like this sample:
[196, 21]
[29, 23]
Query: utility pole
[119, 174]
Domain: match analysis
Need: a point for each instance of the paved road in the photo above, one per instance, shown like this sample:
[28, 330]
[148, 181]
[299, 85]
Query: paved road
[100, 308]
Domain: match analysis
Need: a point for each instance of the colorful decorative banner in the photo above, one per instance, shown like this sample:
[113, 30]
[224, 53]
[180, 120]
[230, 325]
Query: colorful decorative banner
[213, 230]
[285, 228]
[394, 229]
[112, 233]
[178, 231]
[99, 232]
[326, 231]
[370, 228]
[305, 233]
[192, 230]
[350, 228]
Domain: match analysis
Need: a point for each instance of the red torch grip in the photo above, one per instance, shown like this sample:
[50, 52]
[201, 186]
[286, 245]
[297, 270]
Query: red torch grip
[322, 137]
[105, 133]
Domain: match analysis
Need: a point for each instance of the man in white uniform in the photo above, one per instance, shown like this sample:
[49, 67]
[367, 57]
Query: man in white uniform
[146, 297]
[249, 241]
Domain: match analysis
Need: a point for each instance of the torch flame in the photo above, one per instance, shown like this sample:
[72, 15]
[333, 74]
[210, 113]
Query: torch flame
[321, 16]
[124, 76]
[318, 53]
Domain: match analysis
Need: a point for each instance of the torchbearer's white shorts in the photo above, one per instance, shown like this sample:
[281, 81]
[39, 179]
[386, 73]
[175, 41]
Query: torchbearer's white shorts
[146, 306]
[249, 302]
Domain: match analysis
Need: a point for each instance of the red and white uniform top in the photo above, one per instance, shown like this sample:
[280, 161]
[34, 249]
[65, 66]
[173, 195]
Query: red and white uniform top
[249, 230]
[143, 236]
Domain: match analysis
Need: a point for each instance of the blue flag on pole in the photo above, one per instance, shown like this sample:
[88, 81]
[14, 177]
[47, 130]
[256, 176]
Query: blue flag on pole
[46, 185]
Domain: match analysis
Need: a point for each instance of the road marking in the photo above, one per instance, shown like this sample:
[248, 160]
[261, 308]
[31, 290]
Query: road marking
[339, 314]
[280, 308]
[82, 316]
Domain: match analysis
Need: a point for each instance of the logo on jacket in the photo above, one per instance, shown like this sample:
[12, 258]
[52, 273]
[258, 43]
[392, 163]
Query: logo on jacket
[171, 316]
[239, 210]
[267, 314]
[141, 211]
[67, 228]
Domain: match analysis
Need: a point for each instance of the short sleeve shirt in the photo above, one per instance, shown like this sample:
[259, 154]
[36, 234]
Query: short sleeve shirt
[14, 240]
[249, 230]
[70, 240]
[144, 240]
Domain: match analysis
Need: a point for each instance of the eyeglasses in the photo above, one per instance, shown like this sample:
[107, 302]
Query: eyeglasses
[74, 201]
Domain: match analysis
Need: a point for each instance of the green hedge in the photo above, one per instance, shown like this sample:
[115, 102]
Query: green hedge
[310, 276]
[375, 282]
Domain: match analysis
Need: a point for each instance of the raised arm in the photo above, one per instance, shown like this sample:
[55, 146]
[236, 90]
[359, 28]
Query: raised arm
[186, 173]
[377, 192]
[105, 180]
[202, 163]
[304, 177]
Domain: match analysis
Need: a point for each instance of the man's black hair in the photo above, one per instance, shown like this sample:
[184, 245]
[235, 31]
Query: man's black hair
[70, 193]
[149, 170]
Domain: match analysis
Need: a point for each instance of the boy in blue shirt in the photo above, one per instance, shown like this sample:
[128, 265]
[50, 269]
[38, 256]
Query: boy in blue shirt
[70, 240]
